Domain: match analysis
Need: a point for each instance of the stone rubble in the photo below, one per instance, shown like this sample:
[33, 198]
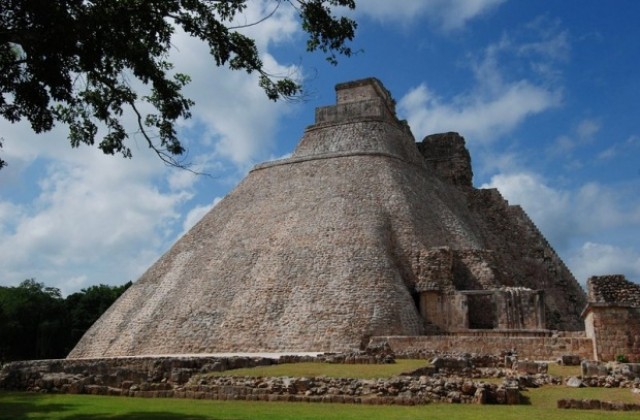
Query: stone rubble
[449, 378]
[187, 378]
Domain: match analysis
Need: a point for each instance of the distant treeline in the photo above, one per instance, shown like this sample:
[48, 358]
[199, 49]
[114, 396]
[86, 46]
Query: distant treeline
[36, 322]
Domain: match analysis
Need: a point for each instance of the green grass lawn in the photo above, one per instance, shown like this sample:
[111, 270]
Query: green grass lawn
[541, 402]
[564, 371]
[77, 407]
[333, 370]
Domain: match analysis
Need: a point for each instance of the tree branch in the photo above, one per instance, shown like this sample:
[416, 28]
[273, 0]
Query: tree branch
[167, 158]
[258, 21]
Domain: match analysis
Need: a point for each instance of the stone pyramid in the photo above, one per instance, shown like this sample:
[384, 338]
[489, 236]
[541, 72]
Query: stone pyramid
[362, 232]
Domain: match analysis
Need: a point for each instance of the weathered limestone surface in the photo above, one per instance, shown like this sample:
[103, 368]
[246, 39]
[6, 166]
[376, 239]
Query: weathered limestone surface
[613, 289]
[447, 155]
[612, 317]
[529, 345]
[334, 245]
[591, 404]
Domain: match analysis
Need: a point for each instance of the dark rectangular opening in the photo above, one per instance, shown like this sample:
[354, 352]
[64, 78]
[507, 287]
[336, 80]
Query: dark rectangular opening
[481, 312]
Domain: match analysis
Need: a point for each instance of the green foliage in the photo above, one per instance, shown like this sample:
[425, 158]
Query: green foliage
[71, 61]
[37, 323]
[33, 318]
[621, 358]
[2, 162]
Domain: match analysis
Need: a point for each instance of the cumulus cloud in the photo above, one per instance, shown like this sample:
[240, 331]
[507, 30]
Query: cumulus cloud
[99, 213]
[549, 208]
[96, 219]
[570, 218]
[446, 15]
[232, 113]
[562, 212]
[479, 116]
[501, 98]
[593, 259]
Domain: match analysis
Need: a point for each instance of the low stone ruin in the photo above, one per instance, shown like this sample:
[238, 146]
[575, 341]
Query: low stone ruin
[189, 377]
[448, 378]
[592, 404]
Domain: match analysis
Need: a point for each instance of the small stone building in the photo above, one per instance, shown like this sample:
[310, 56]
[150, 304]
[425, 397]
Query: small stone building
[612, 317]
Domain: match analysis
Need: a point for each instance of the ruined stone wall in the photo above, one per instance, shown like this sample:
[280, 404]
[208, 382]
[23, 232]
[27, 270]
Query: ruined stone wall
[477, 269]
[613, 289]
[355, 137]
[526, 259]
[520, 309]
[182, 378]
[499, 309]
[612, 317]
[616, 331]
[561, 288]
[447, 155]
[528, 345]
[446, 312]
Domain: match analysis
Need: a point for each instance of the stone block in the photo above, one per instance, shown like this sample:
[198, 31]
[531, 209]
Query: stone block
[591, 368]
[574, 382]
[512, 395]
[530, 368]
[570, 360]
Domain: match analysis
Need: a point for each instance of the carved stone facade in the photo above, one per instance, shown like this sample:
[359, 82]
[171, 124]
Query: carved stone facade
[360, 233]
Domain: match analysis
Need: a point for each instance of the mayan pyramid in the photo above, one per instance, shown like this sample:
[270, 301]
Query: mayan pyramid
[362, 232]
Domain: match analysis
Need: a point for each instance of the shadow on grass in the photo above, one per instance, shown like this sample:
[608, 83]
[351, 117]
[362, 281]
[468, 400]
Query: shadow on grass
[142, 415]
[525, 399]
[15, 406]
[20, 406]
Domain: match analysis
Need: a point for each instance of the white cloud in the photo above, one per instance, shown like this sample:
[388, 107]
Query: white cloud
[549, 208]
[628, 147]
[477, 116]
[99, 219]
[570, 219]
[593, 259]
[447, 15]
[587, 128]
[233, 111]
[589, 209]
[90, 217]
[582, 135]
[279, 27]
[501, 98]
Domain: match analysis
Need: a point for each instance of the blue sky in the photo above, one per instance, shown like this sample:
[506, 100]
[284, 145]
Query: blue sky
[545, 93]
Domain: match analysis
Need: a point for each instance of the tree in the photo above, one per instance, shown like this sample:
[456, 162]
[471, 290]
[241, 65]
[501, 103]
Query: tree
[70, 61]
[32, 325]
[37, 323]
